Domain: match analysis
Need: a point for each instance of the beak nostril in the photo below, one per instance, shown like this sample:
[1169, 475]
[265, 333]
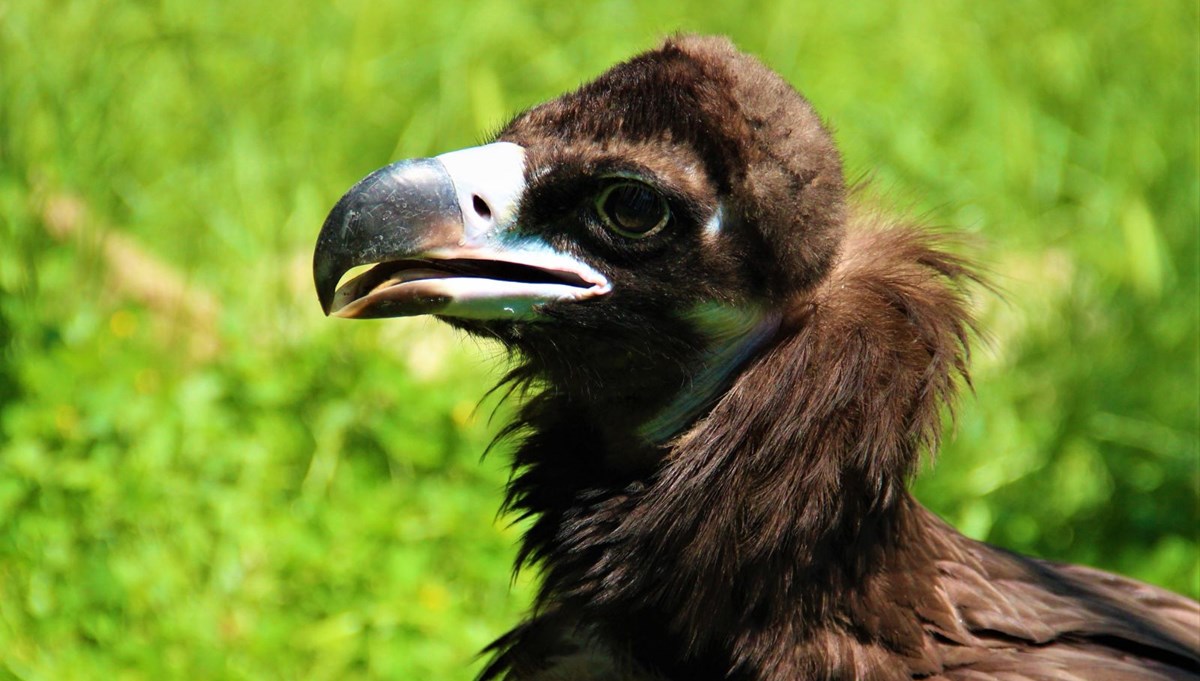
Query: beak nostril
[481, 208]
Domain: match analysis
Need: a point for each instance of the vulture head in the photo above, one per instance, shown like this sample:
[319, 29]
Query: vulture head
[634, 241]
[729, 375]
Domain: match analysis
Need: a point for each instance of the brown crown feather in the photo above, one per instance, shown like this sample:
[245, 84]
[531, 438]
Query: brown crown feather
[759, 140]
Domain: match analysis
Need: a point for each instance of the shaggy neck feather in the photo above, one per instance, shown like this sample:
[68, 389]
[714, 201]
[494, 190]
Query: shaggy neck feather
[791, 489]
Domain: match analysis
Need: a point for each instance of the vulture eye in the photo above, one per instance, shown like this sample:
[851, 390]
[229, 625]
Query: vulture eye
[632, 209]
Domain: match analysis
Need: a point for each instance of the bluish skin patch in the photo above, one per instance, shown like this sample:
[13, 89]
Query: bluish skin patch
[734, 334]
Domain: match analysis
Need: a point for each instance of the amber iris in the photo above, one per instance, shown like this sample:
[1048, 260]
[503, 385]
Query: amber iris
[632, 209]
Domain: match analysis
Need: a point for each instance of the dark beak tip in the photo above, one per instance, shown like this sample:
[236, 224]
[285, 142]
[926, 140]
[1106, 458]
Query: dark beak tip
[394, 212]
[325, 280]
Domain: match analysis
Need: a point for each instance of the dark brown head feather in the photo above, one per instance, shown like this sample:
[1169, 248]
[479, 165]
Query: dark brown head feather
[759, 141]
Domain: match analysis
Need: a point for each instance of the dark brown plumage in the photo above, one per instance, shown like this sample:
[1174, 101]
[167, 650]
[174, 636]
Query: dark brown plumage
[730, 377]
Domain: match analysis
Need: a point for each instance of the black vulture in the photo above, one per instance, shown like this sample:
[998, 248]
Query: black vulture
[730, 375]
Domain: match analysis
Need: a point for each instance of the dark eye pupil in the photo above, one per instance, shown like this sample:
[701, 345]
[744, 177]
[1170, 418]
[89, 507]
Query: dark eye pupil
[634, 209]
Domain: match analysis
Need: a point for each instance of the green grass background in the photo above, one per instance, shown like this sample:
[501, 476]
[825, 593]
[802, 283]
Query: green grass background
[201, 477]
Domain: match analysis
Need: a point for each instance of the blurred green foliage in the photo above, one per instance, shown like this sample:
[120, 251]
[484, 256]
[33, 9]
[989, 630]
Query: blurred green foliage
[201, 477]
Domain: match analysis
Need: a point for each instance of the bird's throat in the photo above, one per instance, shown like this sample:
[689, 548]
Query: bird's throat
[733, 335]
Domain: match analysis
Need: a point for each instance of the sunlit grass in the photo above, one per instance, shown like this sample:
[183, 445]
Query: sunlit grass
[202, 477]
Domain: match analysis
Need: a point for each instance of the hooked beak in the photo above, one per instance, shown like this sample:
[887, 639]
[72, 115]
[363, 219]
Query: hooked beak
[439, 235]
